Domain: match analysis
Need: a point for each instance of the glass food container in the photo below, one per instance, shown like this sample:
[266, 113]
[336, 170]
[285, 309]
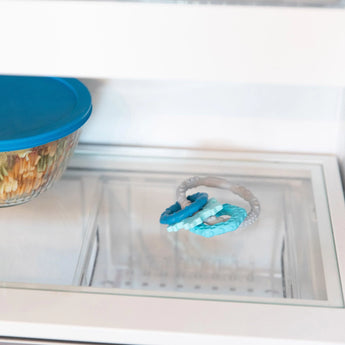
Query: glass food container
[40, 119]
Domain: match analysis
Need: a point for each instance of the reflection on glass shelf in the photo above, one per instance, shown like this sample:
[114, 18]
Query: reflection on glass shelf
[279, 256]
[41, 240]
[98, 229]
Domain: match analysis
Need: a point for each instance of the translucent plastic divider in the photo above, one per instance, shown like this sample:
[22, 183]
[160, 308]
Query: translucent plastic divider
[42, 239]
[288, 256]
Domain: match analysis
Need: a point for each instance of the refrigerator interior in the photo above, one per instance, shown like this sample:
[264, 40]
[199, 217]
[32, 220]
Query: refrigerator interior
[105, 236]
[254, 94]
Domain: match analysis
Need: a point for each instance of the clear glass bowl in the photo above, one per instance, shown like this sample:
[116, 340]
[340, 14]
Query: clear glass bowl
[24, 174]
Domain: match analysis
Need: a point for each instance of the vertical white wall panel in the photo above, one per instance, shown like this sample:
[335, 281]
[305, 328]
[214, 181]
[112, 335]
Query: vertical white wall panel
[215, 115]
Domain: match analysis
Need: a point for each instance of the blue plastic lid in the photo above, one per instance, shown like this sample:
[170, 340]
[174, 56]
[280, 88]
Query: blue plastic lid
[37, 110]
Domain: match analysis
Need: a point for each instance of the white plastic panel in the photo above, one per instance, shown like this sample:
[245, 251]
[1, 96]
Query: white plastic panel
[217, 115]
[130, 40]
[300, 3]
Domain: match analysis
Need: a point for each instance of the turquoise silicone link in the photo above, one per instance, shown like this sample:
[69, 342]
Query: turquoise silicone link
[175, 214]
[237, 214]
[210, 209]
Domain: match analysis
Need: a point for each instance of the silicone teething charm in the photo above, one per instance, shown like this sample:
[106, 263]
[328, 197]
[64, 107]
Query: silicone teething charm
[237, 216]
[175, 213]
[210, 209]
[193, 214]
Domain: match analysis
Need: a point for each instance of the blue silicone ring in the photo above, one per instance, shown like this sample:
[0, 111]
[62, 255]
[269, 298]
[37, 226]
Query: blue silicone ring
[237, 214]
[175, 214]
[210, 209]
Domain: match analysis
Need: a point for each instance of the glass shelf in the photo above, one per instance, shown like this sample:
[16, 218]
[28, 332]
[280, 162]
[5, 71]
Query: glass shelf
[41, 240]
[98, 230]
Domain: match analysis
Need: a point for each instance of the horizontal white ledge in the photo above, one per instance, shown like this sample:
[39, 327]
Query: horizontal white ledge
[90, 317]
[173, 41]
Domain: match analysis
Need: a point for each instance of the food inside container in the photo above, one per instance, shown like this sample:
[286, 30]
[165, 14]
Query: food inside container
[27, 172]
[40, 119]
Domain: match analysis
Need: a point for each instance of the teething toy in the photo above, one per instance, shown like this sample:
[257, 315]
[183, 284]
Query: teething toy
[209, 218]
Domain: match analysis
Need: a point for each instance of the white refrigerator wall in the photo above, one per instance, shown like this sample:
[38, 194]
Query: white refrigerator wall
[205, 76]
[217, 115]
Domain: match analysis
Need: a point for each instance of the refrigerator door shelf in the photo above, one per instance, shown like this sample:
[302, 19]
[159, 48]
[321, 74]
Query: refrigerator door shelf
[106, 237]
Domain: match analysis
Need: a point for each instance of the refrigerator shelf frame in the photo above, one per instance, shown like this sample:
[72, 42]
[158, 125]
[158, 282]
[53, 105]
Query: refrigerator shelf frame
[79, 315]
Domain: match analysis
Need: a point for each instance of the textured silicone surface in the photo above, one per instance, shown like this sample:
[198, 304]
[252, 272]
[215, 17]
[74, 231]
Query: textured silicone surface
[237, 216]
[175, 213]
[210, 209]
